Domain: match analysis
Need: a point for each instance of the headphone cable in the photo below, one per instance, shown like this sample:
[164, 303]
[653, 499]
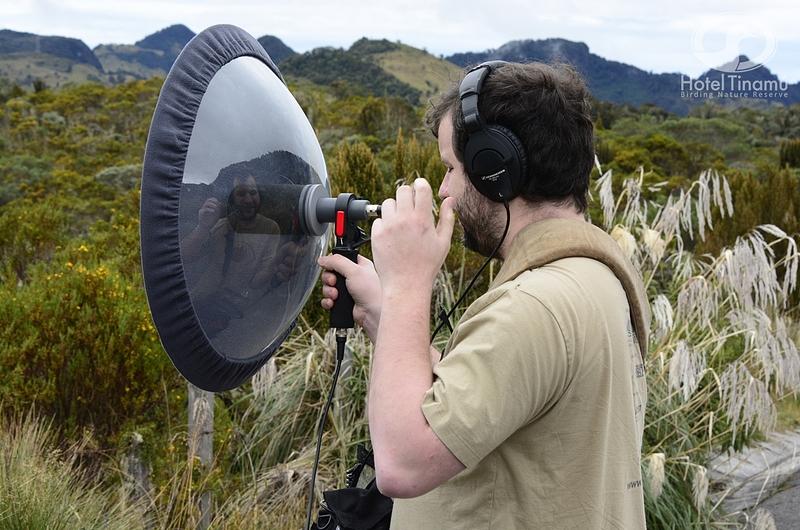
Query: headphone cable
[446, 318]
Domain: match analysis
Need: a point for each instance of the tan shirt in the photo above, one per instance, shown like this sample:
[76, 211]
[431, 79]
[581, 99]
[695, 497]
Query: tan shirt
[541, 395]
[251, 251]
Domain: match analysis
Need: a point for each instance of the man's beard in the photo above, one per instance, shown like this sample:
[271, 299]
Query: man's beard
[247, 213]
[480, 222]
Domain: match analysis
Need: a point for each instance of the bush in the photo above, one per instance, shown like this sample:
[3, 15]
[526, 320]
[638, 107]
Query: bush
[78, 343]
[790, 153]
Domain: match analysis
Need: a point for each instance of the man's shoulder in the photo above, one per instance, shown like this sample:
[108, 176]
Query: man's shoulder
[566, 277]
[566, 290]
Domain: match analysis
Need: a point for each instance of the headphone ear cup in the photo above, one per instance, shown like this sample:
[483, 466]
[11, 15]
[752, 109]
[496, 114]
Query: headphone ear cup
[517, 177]
[495, 162]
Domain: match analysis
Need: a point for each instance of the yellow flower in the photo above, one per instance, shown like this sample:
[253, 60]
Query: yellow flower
[69, 265]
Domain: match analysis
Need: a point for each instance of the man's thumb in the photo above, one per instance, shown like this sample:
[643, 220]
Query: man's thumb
[447, 218]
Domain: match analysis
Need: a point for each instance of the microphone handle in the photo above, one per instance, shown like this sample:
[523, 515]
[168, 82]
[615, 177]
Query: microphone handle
[342, 310]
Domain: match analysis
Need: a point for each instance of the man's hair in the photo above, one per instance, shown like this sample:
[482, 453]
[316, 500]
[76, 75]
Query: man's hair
[547, 108]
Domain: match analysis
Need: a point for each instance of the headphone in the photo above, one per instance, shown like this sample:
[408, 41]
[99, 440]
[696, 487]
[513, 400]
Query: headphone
[494, 158]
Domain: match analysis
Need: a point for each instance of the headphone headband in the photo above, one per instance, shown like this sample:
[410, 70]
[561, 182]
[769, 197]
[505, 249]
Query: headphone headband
[470, 90]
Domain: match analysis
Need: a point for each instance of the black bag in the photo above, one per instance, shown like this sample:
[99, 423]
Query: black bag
[354, 507]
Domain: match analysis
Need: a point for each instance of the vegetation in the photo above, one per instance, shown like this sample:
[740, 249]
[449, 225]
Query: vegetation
[351, 74]
[79, 348]
[43, 488]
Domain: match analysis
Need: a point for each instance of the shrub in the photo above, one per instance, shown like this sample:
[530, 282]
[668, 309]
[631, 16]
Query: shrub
[790, 153]
[78, 343]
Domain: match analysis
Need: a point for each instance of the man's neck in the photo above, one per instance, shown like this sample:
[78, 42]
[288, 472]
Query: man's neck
[524, 214]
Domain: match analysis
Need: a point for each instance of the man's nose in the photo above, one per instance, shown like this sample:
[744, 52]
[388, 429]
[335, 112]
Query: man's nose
[443, 188]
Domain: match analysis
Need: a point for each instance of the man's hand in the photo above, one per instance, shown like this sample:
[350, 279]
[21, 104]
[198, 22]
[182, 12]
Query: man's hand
[363, 285]
[286, 258]
[408, 247]
[209, 213]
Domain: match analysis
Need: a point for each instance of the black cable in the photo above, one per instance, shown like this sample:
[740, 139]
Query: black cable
[446, 318]
[340, 344]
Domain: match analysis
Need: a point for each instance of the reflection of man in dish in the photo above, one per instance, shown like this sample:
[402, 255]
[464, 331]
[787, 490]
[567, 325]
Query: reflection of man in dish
[230, 255]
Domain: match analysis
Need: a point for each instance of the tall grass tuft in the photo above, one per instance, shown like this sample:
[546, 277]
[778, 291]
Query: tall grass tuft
[720, 350]
[274, 435]
[43, 487]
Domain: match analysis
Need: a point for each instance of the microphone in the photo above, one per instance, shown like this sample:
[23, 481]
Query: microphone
[317, 210]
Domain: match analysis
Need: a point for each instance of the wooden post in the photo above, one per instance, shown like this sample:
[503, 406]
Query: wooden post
[201, 439]
[136, 483]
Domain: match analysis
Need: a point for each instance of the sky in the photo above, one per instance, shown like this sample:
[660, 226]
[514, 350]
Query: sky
[675, 36]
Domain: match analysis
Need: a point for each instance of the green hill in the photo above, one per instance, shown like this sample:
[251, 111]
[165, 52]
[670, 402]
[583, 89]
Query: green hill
[25, 68]
[417, 68]
[26, 57]
[335, 66]
[124, 62]
[376, 67]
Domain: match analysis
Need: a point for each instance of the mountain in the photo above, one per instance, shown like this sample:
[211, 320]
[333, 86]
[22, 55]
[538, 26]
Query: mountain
[608, 80]
[619, 82]
[381, 67]
[275, 48]
[124, 62]
[15, 42]
[149, 57]
[169, 40]
[25, 57]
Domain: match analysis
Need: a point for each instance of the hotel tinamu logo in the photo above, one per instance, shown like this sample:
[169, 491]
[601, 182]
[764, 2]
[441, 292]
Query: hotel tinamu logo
[721, 44]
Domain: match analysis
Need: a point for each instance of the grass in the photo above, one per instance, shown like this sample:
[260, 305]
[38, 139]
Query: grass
[427, 73]
[788, 413]
[46, 488]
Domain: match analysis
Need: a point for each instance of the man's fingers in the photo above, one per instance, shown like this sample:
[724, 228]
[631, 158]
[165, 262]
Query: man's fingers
[388, 209]
[330, 292]
[423, 196]
[338, 263]
[447, 218]
[328, 278]
[405, 198]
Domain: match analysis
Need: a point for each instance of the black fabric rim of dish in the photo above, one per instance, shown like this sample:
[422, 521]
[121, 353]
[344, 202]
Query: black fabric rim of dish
[162, 174]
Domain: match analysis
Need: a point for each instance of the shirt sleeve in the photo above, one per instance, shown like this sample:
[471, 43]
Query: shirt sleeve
[506, 366]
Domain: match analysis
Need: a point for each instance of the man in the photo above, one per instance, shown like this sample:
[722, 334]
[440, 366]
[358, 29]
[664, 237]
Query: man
[229, 258]
[534, 416]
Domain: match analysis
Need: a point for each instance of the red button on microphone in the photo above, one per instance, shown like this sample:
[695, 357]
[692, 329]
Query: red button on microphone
[340, 223]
